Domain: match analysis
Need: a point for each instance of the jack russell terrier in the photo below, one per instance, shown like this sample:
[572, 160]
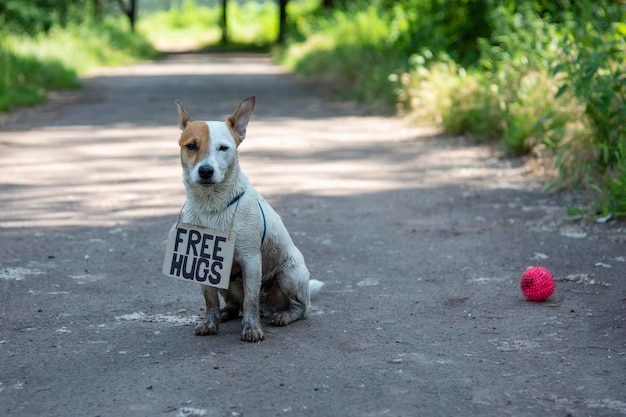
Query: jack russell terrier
[268, 275]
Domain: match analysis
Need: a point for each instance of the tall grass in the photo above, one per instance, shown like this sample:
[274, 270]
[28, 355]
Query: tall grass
[33, 65]
[538, 78]
[348, 51]
[24, 79]
[84, 46]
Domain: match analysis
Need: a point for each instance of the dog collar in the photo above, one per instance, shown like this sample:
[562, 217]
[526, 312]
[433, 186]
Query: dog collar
[234, 200]
[264, 223]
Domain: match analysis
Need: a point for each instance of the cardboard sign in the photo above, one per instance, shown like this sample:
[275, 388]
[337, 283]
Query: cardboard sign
[199, 254]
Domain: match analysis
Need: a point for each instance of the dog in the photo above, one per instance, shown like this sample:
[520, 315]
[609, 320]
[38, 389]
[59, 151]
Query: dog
[268, 275]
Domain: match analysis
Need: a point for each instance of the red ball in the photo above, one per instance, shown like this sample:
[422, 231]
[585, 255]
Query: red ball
[537, 284]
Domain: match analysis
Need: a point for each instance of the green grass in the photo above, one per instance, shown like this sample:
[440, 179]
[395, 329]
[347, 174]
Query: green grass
[25, 79]
[33, 65]
[192, 26]
[549, 84]
[350, 53]
[189, 27]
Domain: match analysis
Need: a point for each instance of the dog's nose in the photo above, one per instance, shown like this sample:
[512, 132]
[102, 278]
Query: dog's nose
[205, 172]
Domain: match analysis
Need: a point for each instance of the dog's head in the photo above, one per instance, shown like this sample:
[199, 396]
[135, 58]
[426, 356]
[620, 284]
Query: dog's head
[208, 149]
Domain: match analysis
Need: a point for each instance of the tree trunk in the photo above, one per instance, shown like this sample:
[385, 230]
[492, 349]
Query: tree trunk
[97, 8]
[224, 21]
[130, 11]
[132, 14]
[282, 20]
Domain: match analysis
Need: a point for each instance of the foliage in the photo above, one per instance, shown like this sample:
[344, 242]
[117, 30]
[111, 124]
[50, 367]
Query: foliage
[349, 51]
[35, 64]
[450, 27]
[186, 26]
[94, 43]
[253, 22]
[509, 90]
[24, 78]
[193, 26]
[35, 16]
[542, 77]
[593, 71]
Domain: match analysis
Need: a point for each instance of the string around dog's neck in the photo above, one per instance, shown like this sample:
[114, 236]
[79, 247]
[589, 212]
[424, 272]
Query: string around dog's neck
[234, 201]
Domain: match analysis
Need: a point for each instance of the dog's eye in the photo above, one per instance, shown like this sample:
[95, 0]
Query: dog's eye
[223, 148]
[192, 146]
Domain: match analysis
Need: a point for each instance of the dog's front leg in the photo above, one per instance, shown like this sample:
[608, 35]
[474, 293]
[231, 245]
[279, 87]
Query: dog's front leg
[212, 320]
[251, 322]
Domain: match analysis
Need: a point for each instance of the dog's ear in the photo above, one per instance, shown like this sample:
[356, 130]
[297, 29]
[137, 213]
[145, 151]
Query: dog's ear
[238, 121]
[183, 117]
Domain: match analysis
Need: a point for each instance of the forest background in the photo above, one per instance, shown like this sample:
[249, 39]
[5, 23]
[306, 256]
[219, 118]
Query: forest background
[543, 79]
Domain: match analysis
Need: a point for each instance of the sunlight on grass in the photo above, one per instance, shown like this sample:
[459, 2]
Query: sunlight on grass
[194, 26]
[33, 65]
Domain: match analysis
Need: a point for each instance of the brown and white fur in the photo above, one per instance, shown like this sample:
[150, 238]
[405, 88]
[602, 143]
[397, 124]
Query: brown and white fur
[269, 275]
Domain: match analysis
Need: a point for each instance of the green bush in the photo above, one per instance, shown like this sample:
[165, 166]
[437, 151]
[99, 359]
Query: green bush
[517, 58]
[25, 79]
[592, 70]
[440, 90]
[33, 65]
[506, 95]
[540, 77]
[93, 43]
[349, 50]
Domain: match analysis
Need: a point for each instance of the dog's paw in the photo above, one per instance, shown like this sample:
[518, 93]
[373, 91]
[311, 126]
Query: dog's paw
[252, 334]
[206, 329]
[282, 318]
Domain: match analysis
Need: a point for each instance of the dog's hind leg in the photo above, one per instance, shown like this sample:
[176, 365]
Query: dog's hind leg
[294, 285]
[211, 321]
[233, 298]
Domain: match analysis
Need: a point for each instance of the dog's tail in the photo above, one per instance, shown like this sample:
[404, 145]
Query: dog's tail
[315, 286]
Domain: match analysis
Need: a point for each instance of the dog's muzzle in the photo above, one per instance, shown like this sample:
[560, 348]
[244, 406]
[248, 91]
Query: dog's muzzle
[205, 173]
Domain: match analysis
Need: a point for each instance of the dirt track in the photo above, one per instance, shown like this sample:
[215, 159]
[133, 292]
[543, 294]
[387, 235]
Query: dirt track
[420, 240]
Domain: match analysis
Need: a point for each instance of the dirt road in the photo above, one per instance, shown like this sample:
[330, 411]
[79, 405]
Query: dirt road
[420, 240]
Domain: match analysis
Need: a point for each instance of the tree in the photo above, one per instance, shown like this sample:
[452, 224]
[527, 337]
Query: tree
[282, 19]
[130, 11]
[224, 24]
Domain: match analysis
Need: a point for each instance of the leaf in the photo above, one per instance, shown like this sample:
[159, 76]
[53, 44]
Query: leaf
[562, 89]
[560, 67]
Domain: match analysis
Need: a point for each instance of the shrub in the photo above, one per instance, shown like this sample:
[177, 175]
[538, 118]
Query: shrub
[349, 50]
[438, 89]
[593, 71]
[574, 108]
[541, 77]
[33, 65]
[24, 79]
